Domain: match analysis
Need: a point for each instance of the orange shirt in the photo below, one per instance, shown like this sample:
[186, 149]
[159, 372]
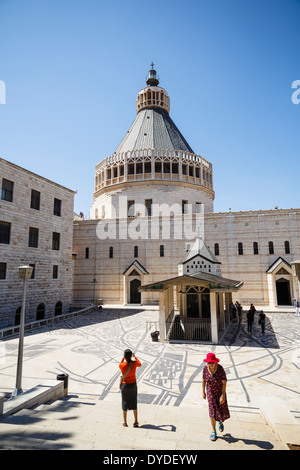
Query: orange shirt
[130, 377]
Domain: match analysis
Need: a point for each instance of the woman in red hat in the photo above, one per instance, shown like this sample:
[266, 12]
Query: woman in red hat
[214, 384]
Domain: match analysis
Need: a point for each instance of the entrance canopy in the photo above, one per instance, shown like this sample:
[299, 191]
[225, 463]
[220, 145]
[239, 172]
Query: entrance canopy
[195, 302]
[211, 281]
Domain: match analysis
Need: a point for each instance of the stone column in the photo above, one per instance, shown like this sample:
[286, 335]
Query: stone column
[162, 319]
[213, 318]
[222, 313]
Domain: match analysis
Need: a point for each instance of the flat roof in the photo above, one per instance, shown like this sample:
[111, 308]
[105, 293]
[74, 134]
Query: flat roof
[2, 160]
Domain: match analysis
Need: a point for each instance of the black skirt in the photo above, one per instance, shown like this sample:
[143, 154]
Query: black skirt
[129, 396]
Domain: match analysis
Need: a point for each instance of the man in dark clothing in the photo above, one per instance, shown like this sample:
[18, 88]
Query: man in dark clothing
[262, 321]
[250, 319]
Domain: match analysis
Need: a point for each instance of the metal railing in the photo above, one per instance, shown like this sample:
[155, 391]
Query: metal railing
[13, 330]
[188, 330]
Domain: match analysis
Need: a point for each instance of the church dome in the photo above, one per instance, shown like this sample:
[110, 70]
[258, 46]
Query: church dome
[153, 128]
[154, 153]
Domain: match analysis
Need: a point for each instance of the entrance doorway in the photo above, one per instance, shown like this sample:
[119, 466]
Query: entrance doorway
[283, 292]
[135, 295]
[192, 306]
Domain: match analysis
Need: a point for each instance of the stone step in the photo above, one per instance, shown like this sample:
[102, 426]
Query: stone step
[79, 423]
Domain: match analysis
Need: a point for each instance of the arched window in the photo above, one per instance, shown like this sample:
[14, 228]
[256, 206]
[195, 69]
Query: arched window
[40, 312]
[161, 251]
[217, 249]
[287, 247]
[18, 316]
[136, 251]
[58, 308]
[240, 248]
[111, 251]
[255, 248]
[271, 248]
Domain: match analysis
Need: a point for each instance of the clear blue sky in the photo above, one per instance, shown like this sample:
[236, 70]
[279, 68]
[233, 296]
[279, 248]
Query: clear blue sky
[73, 68]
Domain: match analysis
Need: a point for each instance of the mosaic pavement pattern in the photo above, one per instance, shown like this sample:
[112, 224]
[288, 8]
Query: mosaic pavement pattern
[89, 348]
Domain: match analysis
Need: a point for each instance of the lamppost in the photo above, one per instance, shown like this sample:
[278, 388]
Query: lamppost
[24, 273]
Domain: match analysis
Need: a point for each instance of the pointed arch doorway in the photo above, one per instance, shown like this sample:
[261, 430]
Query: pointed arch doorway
[135, 295]
[283, 292]
[133, 279]
[280, 283]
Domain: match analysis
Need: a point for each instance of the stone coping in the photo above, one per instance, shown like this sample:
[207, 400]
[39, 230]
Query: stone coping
[50, 390]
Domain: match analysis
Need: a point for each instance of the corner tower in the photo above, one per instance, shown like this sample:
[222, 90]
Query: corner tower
[153, 162]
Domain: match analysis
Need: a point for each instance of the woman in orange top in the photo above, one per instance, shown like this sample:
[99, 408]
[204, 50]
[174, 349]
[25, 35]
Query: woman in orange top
[129, 387]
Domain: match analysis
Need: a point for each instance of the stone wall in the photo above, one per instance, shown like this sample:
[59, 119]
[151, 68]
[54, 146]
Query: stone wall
[101, 277]
[43, 289]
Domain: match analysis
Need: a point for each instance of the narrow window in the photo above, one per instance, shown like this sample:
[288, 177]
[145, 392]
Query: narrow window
[183, 208]
[58, 308]
[40, 312]
[111, 251]
[175, 168]
[33, 240]
[57, 207]
[87, 253]
[2, 270]
[271, 248]
[240, 248]
[287, 247]
[130, 208]
[33, 271]
[158, 167]
[217, 249]
[161, 251]
[255, 248]
[7, 190]
[148, 205]
[55, 241]
[18, 316]
[166, 167]
[136, 251]
[5, 232]
[35, 200]
[131, 168]
[147, 167]
[55, 271]
[139, 168]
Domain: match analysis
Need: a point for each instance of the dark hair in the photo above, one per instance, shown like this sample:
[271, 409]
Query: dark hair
[127, 355]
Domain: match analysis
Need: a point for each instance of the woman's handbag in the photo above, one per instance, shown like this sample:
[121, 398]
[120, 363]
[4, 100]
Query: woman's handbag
[125, 375]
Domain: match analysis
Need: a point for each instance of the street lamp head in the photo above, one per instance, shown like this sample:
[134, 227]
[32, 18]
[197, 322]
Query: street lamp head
[25, 272]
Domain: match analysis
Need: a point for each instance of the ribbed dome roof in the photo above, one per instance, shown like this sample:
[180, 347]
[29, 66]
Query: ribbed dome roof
[153, 128]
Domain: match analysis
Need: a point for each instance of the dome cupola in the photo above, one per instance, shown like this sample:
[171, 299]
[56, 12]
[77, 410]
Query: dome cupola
[152, 95]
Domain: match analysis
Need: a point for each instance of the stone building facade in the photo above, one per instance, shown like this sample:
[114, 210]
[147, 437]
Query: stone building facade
[36, 228]
[146, 193]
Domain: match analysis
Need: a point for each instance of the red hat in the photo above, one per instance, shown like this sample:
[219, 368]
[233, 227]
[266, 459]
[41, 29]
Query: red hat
[210, 357]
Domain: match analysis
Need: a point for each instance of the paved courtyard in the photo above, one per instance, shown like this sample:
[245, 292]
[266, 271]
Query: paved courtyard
[89, 348]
